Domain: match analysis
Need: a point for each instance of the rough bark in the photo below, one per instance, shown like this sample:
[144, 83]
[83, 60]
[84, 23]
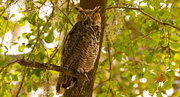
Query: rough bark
[88, 86]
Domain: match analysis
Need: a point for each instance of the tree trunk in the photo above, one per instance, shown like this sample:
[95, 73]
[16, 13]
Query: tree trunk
[88, 86]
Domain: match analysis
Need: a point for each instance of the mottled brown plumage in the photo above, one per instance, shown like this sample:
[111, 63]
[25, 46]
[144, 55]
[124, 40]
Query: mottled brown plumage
[81, 46]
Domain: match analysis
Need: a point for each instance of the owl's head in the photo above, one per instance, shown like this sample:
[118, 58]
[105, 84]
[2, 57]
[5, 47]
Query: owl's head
[89, 17]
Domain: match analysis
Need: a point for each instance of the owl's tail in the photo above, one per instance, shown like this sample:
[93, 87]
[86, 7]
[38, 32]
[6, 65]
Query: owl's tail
[59, 88]
[64, 81]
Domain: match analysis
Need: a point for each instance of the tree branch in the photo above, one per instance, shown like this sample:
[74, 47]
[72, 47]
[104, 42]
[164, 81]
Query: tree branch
[47, 66]
[163, 23]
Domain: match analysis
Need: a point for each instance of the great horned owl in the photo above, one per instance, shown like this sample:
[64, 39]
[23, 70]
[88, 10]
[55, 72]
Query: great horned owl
[81, 46]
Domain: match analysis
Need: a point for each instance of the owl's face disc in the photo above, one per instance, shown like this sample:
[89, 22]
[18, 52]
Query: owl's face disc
[89, 17]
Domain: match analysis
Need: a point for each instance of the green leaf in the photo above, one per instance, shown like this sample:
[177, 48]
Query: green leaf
[1, 50]
[152, 43]
[161, 12]
[41, 55]
[21, 47]
[7, 94]
[174, 46]
[37, 72]
[118, 57]
[151, 87]
[49, 38]
[129, 50]
[164, 42]
[35, 88]
[24, 35]
[174, 11]
[119, 46]
[168, 84]
[143, 31]
[159, 92]
[11, 87]
[177, 57]
[125, 73]
[23, 94]
[29, 89]
[145, 52]
[32, 18]
[12, 15]
[21, 21]
[41, 22]
[170, 21]
[127, 32]
[156, 59]
[174, 37]
[154, 25]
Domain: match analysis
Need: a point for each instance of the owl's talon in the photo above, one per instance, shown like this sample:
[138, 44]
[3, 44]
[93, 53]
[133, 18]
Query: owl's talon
[87, 79]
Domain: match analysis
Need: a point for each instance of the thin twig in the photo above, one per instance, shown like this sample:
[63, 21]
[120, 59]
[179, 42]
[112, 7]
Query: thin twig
[99, 84]
[42, 4]
[55, 51]
[170, 11]
[7, 7]
[66, 16]
[8, 65]
[109, 56]
[163, 23]
[22, 81]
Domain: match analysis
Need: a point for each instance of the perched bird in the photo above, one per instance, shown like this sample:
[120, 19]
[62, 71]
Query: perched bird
[81, 46]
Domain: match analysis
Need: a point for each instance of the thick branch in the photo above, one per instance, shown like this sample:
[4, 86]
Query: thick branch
[163, 23]
[51, 67]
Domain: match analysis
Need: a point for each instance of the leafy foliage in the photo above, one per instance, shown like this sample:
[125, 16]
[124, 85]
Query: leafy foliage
[138, 54]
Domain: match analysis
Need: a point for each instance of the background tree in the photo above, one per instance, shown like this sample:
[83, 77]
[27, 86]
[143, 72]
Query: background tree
[139, 55]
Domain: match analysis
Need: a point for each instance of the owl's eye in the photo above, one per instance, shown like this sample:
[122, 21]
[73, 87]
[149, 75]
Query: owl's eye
[93, 16]
[83, 16]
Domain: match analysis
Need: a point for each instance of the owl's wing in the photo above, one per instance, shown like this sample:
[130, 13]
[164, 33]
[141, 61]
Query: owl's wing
[70, 43]
[67, 54]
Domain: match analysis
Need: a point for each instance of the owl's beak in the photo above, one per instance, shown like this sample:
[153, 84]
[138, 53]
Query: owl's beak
[88, 21]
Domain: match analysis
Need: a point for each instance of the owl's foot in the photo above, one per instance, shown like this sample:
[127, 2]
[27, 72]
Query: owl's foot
[83, 72]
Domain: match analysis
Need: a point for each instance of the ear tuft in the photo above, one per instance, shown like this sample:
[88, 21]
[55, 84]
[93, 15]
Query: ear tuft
[76, 8]
[97, 9]
[79, 9]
